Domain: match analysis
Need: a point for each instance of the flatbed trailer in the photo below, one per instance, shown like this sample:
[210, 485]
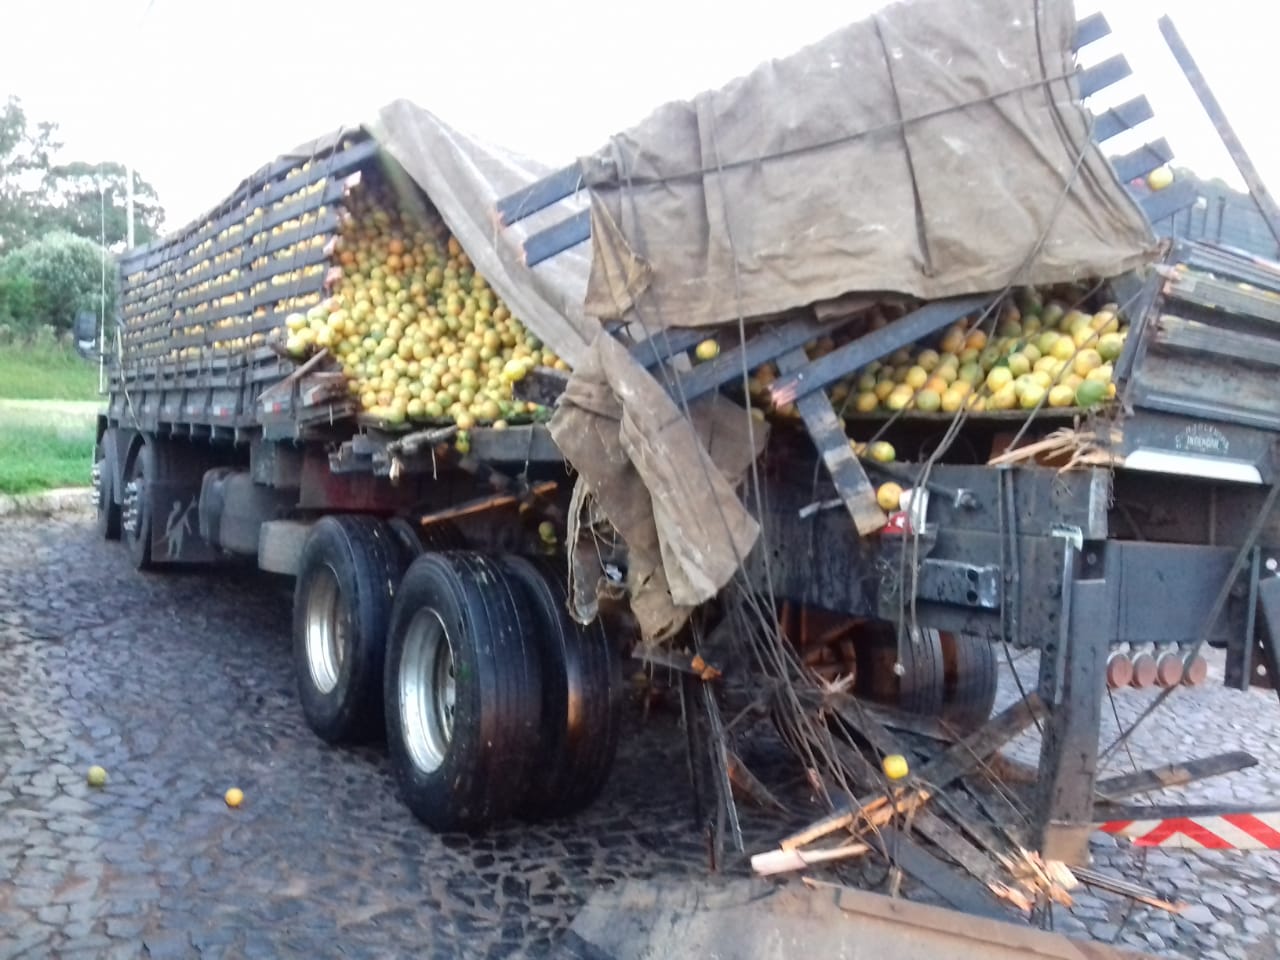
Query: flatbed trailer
[425, 605]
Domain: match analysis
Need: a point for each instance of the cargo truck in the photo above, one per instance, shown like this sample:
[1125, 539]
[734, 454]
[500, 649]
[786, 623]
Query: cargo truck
[429, 557]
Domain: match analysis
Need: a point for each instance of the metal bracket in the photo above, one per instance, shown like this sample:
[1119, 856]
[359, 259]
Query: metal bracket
[1072, 534]
[960, 584]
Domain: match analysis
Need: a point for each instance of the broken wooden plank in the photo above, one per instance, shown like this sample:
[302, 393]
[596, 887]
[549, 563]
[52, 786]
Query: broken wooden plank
[484, 504]
[1173, 775]
[841, 361]
[748, 784]
[539, 195]
[1261, 196]
[783, 861]
[827, 433]
[1125, 889]
[1092, 28]
[1116, 120]
[1102, 75]
[760, 348]
[956, 761]
[862, 724]
[886, 715]
[555, 239]
[968, 856]
[966, 756]
[962, 892]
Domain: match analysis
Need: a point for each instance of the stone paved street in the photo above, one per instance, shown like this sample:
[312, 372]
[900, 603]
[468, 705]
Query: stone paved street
[180, 686]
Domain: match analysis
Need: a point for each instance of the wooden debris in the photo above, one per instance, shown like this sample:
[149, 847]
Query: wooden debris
[782, 861]
[878, 811]
[694, 666]
[1126, 889]
[874, 813]
[746, 783]
[1173, 775]
[482, 505]
[828, 435]
[284, 388]
[1066, 448]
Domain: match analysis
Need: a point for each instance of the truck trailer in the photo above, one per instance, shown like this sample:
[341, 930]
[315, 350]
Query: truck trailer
[345, 374]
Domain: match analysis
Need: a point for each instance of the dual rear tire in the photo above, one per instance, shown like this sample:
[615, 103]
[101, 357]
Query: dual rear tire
[493, 701]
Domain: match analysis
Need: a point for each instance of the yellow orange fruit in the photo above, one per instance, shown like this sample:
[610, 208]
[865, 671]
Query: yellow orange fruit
[916, 377]
[866, 402]
[928, 401]
[882, 451]
[888, 495]
[999, 378]
[1062, 395]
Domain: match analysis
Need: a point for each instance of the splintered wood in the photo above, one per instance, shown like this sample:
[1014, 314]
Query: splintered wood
[900, 809]
[1067, 449]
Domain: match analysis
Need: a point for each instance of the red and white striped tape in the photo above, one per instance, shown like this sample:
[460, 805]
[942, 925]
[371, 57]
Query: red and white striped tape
[1233, 831]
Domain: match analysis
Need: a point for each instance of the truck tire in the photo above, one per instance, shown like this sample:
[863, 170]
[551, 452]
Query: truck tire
[106, 509]
[970, 679]
[136, 512]
[921, 688]
[581, 695]
[415, 539]
[347, 574]
[462, 691]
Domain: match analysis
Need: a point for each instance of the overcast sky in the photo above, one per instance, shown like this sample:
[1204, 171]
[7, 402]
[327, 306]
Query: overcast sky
[197, 93]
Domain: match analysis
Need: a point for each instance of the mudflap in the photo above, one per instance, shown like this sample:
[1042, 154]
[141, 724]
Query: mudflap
[175, 532]
[765, 920]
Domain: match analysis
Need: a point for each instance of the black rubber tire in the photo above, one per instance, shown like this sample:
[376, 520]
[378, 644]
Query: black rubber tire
[107, 510]
[922, 687]
[415, 539]
[363, 560]
[143, 469]
[971, 678]
[486, 766]
[582, 686]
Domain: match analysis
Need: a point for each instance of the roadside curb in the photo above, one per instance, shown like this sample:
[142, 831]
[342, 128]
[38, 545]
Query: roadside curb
[46, 503]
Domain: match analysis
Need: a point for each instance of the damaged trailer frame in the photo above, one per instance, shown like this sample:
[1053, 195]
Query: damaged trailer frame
[1034, 556]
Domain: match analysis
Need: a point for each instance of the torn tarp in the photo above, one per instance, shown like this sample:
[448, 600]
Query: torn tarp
[935, 149]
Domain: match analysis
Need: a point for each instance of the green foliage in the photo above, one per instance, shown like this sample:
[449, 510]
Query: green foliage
[41, 448]
[89, 200]
[40, 370]
[17, 303]
[65, 274]
[25, 150]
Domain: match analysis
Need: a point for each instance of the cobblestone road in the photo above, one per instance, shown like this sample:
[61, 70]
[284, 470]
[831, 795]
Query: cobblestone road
[180, 686]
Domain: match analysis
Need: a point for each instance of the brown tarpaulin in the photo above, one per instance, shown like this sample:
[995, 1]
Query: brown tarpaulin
[927, 150]
[935, 149]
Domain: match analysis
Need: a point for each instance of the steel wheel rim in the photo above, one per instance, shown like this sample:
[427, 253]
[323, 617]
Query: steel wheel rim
[132, 512]
[428, 690]
[326, 630]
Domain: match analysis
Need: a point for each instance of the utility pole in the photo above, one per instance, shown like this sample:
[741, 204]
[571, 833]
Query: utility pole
[128, 205]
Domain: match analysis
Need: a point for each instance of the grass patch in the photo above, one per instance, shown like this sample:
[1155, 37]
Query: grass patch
[32, 459]
[44, 445]
[39, 371]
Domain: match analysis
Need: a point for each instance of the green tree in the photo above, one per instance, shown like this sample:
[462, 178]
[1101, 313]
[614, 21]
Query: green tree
[89, 200]
[65, 274]
[25, 149]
